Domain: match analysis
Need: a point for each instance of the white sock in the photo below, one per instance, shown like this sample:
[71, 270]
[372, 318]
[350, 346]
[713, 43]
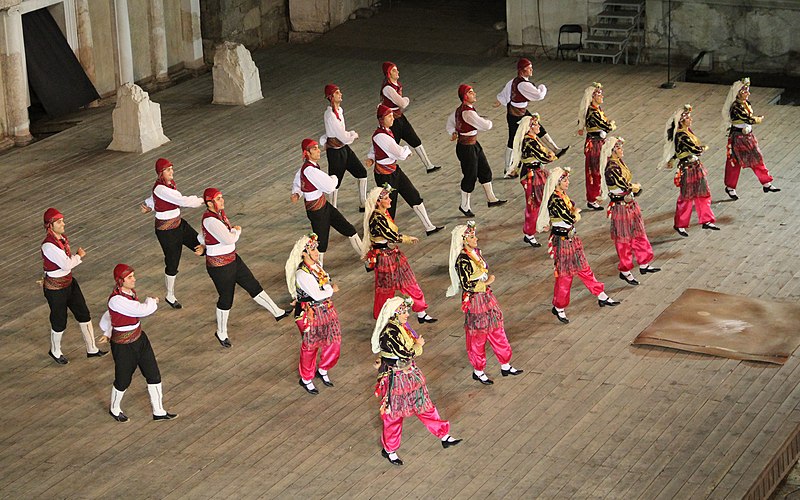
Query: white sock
[602, 296]
[531, 237]
[465, 201]
[558, 309]
[446, 437]
[155, 399]
[88, 337]
[479, 373]
[507, 162]
[321, 257]
[355, 242]
[322, 372]
[170, 282]
[550, 143]
[222, 323]
[116, 400]
[505, 366]
[362, 191]
[423, 216]
[629, 274]
[423, 156]
[266, 302]
[392, 455]
[55, 343]
[334, 197]
[422, 314]
[487, 188]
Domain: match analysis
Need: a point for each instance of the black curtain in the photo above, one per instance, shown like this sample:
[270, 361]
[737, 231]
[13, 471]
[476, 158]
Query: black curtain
[54, 73]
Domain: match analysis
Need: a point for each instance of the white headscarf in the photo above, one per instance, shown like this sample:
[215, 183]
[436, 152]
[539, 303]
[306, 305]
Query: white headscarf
[294, 260]
[387, 311]
[605, 154]
[733, 92]
[549, 188]
[671, 127]
[522, 130]
[456, 245]
[369, 207]
[587, 99]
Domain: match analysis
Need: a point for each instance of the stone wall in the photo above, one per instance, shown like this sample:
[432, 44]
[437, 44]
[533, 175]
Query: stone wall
[253, 23]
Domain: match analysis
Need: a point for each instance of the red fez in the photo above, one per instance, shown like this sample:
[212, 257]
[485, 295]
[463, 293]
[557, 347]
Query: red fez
[330, 89]
[50, 215]
[383, 110]
[308, 144]
[210, 193]
[523, 63]
[162, 164]
[387, 67]
[462, 90]
[121, 271]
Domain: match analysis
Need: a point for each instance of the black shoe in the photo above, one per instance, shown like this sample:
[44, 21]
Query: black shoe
[512, 175]
[531, 242]
[427, 319]
[362, 209]
[488, 381]
[630, 281]
[681, 231]
[467, 213]
[61, 360]
[497, 203]
[119, 418]
[562, 317]
[224, 343]
[710, 225]
[367, 268]
[608, 302]
[326, 381]
[770, 189]
[434, 230]
[97, 354]
[562, 152]
[593, 205]
[396, 461]
[311, 390]
[278, 318]
[649, 269]
[174, 305]
[450, 442]
[168, 416]
[510, 371]
[432, 169]
[731, 193]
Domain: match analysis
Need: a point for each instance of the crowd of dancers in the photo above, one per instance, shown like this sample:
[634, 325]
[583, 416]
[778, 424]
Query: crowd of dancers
[401, 386]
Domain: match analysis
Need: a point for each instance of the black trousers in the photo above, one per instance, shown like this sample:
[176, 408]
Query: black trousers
[403, 131]
[324, 219]
[345, 160]
[171, 241]
[127, 357]
[513, 126]
[226, 278]
[474, 166]
[67, 298]
[402, 185]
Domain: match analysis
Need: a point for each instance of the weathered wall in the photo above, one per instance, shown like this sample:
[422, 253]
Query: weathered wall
[253, 23]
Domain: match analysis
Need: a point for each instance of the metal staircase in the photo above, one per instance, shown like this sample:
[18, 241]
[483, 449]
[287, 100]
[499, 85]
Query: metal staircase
[619, 29]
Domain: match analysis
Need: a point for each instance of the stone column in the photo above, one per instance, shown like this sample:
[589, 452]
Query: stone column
[158, 41]
[191, 35]
[14, 76]
[124, 49]
[85, 42]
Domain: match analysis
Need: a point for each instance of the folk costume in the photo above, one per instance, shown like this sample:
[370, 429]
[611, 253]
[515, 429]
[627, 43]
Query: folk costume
[336, 141]
[314, 185]
[314, 313]
[565, 246]
[172, 231]
[226, 268]
[383, 255]
[683, 146]
[532, 154]
[385, 152]
[593, 121]
[392, 97]
[401, 385]
[463, 125]
[483, 319]
[743, 151]
[515, 96]
[61, 289]
[627, 225]
[130, 346]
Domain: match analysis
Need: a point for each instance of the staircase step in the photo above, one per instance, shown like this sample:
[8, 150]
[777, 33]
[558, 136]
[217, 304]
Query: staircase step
[613, 27]
[626, 4]
[608, 40]
[600, 52]
[627, 15]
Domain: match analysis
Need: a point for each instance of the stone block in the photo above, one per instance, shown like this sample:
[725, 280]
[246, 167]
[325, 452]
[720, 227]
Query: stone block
[309, 15]
[236, 77]
[137, 121]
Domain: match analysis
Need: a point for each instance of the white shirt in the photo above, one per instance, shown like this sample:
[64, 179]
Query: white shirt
[227, 237]
[470, 116]
[324, 183]
[394, 151]
[335, 127]
[309, 284]
[176, 198]
[526, 88]
[390, 93]
[59, 257]
[128, 307]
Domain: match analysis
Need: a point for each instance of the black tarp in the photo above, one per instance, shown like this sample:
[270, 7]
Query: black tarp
[54, 73]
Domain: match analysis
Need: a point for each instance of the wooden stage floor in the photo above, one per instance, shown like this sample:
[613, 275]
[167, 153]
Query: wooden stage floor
[592, 416]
